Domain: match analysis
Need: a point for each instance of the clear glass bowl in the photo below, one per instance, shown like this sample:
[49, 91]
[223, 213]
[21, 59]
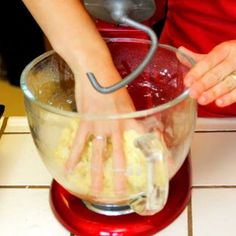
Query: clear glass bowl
[152, 158]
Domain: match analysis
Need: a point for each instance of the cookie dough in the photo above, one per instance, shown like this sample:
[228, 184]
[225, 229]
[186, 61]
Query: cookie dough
[79, 181]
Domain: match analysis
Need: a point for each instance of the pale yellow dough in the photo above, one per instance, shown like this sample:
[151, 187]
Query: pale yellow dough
[136, 165]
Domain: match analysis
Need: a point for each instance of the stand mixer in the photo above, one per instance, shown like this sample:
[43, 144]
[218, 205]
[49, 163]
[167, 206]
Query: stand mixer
[158, 169]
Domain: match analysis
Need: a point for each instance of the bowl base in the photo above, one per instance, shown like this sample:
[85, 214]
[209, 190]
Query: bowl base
[79, 220]
[109, 210]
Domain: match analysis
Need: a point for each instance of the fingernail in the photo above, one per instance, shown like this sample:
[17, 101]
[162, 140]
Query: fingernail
[188, 81]
[219, 102]
[119, 191]
[193, 93]
[68, 170]
[95, 192]
[203, 100]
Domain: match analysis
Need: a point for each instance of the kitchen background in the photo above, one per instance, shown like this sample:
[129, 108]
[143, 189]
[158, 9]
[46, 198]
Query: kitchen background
[10, 95]
[21, 41]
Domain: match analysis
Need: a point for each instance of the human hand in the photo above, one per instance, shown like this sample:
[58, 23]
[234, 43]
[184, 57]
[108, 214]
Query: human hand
[102, 131]
[213, 78]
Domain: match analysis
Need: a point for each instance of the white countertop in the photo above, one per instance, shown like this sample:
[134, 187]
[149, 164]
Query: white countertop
[25, 182]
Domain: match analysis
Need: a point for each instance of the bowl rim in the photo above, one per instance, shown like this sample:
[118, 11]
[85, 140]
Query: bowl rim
[91, 116]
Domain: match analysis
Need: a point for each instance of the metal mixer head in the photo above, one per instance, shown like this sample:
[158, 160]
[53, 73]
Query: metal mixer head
[111, 10]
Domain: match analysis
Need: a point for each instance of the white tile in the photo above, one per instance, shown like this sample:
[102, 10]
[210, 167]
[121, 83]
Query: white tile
[20, 163]
[214, 158]
[26, 212]
[178, 227]
[30, 210]
[17, 124]
[216, 124]
[214, 212]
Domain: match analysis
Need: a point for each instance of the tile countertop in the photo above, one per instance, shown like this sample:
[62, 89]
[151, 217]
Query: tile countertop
[25, 182]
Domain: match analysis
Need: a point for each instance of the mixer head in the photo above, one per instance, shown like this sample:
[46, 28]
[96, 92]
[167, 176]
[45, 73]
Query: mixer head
[112, 10]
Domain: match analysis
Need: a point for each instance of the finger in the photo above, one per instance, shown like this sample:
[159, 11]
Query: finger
[227, 99]
[99, 145]
[216, 56]
[211, 79]
[221, 89]
[152, 123]
[133, 124]
[119, 163]
[77, 148]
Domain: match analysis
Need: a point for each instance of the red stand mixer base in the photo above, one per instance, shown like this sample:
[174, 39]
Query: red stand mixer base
[79, 220]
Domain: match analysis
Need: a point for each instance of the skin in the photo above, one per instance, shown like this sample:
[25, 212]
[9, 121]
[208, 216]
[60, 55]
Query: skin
[211, 80]
[74, 36]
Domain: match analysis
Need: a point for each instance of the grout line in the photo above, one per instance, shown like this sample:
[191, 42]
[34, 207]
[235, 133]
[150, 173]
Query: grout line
[4, 124]
[25, 186]
[215, 131]
[7, 133]
[213, 186]
[190, 219]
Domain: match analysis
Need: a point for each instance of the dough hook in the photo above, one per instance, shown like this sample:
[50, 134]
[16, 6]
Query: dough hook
[128, 13]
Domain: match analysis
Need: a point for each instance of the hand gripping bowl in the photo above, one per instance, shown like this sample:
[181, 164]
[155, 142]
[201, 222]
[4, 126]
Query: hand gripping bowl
[152, 158]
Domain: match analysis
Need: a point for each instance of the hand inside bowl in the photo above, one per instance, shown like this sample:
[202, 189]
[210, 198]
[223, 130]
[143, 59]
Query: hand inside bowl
[100, 132]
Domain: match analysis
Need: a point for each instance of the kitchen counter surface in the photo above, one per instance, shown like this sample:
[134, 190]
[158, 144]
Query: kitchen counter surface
[25, 183]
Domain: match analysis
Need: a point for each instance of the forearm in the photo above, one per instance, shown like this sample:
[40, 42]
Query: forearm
[68, 27]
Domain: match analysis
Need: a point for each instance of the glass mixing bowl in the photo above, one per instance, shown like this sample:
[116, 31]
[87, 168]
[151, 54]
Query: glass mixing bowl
[163, 108]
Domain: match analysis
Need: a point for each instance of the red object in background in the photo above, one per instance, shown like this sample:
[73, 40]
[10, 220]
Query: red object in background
[79, 220]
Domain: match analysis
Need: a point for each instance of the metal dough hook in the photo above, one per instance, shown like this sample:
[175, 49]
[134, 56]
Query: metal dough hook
[118, 12]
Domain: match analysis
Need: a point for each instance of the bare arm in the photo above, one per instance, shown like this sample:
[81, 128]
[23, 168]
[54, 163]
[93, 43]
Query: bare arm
[70, 30]
[74, 36]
